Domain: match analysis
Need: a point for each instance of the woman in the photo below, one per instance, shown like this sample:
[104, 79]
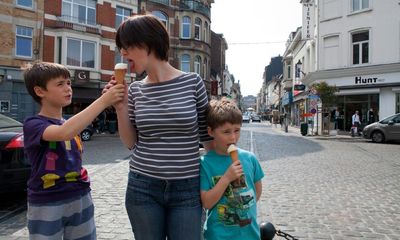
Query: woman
[161, 120]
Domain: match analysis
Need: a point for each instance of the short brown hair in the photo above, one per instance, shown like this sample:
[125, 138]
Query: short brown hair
[144, 31]
[223, 111]
[40, 73]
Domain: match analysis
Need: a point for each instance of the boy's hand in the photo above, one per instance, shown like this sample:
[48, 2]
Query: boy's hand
[234, 171]
[113, 94]
[117, 104]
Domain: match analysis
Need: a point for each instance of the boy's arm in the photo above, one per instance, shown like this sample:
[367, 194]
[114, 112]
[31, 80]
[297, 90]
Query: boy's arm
[211, 197]
[258, 186]
[78, 122]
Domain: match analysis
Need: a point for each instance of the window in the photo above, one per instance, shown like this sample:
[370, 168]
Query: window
[186, 27]
[397, 102]
[205, 31]
[23, 41]
[121, 14]
[118, 57]
[25, 3]
[205, 69]
[358, 5]
[197, 64]
[162, 17]
[197, 31]
[289, 72]
[331, 52]
[80, 11]
[80, 53]
[185, 63]
[360, 43]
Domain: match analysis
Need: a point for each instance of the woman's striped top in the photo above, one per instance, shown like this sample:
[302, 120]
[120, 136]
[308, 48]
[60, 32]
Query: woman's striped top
[169, 118]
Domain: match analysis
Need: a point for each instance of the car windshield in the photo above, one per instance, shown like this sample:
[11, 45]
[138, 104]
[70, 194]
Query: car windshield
[395, 118]
[8, 122]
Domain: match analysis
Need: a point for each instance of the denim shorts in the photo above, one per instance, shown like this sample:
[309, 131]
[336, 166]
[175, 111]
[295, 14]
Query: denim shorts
[164, 208]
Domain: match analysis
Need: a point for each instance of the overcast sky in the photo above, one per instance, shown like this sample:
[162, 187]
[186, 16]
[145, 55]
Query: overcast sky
[264, 25]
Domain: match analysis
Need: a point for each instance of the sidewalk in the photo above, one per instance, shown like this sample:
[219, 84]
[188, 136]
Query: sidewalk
[295, 131]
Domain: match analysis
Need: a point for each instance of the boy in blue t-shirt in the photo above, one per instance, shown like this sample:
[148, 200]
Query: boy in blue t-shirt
[229, 190]
[59, 201]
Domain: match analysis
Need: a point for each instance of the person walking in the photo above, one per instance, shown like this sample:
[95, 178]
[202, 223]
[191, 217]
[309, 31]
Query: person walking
[59, 202]
[161, 120]
[355, 121]
[371, 116]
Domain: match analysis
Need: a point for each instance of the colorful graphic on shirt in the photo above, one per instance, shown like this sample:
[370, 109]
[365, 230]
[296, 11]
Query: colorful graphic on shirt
[234, 210]
[51, 158]
[72, 176]
[49, 180]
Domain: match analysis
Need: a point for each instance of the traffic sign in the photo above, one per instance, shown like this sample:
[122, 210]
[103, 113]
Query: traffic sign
[313, 111]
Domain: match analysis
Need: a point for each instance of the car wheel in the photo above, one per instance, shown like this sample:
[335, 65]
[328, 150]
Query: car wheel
[86, 135]
[378, 137]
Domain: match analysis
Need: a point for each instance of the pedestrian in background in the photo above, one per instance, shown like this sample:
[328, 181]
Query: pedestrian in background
[161, 120]
[371, 116]
[231, 207]
[59, 201]
[355, 121]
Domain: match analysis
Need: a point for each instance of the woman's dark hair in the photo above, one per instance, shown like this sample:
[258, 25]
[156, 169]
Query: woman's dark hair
[144, 31]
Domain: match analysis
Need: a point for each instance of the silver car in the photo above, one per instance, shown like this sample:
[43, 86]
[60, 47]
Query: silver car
[384, 130]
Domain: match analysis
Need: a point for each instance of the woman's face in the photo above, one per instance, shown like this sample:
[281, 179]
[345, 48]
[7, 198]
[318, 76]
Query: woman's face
[137, 59]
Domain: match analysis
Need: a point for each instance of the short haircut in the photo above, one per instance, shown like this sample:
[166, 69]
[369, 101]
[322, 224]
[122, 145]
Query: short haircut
[40, 73]
[146, 32]
[223, 111]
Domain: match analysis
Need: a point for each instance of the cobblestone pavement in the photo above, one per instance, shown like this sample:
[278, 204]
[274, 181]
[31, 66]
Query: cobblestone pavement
[313, 189]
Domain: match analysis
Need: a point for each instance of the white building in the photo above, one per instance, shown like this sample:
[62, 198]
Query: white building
[358, 50]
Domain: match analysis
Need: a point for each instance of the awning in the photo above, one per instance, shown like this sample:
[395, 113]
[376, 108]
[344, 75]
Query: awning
[357, 91]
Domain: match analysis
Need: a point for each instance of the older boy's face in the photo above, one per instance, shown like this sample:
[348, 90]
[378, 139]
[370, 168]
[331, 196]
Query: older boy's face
[224, 136]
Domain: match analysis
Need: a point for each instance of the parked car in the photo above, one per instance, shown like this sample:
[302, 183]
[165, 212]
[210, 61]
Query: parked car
[384, 130]
[255, 118]
[14, 167]
[86, 133]
[246, 118]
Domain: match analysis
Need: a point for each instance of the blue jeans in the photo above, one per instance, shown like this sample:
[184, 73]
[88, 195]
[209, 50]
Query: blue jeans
[164, 208]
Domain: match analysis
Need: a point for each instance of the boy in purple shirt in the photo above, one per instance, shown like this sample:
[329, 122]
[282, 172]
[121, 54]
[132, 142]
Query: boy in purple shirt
[59, 201]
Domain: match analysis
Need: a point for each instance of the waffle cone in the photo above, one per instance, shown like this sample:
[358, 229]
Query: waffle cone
[234, 156]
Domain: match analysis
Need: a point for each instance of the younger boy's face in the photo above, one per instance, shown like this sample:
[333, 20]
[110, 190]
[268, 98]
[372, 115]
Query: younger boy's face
[224, 136]
[58, 92]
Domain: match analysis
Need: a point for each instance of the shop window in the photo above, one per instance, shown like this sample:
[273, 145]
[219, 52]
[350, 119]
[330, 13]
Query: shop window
[357, 5]
[121, 14]
[360, 42]
[25, 3]
[80, 53]
[23, 41]
[185, 63]
[4, 106]
[397, 102]
[162, 17]
[197, 28]
[186, 28]
[79, 11]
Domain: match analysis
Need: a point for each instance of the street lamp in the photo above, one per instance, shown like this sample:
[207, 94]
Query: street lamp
[298, 69]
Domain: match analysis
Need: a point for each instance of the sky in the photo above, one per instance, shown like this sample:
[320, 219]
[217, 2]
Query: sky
[255, 31]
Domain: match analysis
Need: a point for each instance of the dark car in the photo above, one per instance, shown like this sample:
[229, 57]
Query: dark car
[14, 167]
[384, 130]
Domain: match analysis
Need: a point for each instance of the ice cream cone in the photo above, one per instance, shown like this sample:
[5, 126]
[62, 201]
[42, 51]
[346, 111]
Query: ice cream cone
[232, 150]
[120, 71]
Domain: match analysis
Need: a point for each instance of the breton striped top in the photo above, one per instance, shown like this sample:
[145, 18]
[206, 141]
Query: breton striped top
[169, 118]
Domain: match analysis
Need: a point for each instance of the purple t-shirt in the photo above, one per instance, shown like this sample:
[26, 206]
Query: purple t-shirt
[56, 167]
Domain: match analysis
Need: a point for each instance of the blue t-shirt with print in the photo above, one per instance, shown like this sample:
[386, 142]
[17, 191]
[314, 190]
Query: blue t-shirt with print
[56, 166]
[235, 214]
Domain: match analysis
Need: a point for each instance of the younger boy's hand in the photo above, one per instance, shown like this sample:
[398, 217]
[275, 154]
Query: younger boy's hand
[111, 84]
[234, 171]
[113, 94]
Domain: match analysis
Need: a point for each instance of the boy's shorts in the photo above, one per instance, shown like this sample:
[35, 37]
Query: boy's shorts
[67, 219]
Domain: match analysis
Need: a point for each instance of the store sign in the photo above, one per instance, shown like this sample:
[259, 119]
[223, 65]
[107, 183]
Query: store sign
[308, 20]
[366, 80]
[81, 76]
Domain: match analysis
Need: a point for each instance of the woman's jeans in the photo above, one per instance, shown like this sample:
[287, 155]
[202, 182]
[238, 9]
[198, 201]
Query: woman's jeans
[164, 208]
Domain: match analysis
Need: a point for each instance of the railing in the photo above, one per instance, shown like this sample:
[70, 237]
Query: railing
[195, 6]
[83, 25]
[165, 2]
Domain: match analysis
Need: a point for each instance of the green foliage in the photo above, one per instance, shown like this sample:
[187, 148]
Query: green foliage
[326, 93]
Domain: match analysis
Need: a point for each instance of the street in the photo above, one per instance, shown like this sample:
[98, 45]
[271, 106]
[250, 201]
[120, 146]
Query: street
[312, 189]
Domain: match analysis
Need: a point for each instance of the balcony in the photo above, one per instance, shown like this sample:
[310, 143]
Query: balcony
[164, 2]
[287, 84]
[195, 6]
[82, 25]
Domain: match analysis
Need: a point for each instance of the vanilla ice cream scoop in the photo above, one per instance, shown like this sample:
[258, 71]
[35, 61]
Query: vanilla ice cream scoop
[120, 71]
[233, 152]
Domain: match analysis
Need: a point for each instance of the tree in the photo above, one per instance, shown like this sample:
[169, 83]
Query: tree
[326, 93]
